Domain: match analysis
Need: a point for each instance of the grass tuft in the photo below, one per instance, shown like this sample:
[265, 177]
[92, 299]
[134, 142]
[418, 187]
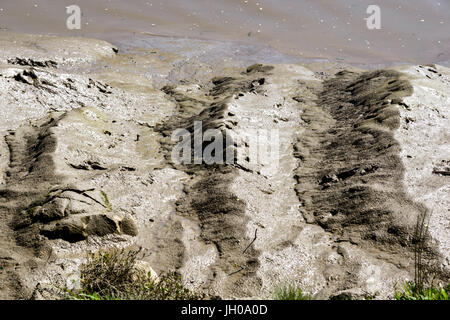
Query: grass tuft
[290, 292]
[423, 287]
[413, 292]
[106, 200]
[111, 275]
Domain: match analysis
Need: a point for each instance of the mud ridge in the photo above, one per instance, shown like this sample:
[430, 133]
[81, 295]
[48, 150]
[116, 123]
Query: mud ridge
[350, 177]
[208, 197]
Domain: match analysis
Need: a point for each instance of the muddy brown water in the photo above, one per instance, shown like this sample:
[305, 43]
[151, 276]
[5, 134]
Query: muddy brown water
[412, 31]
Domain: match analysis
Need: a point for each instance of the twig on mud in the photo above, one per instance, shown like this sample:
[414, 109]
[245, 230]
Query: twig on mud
[254, 239]
[236, 271]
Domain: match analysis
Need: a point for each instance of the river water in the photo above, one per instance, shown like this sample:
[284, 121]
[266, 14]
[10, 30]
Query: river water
[412, 31]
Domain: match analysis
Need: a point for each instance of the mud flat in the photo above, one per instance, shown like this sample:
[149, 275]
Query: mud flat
[86, 164]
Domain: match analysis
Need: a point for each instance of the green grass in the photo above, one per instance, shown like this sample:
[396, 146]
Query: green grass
[424, 285]
[106, 200]
[85, 296]
[111, 275]
[290, 292]
[412, 292]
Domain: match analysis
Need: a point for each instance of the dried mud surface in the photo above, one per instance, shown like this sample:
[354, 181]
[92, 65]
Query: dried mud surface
[86, 164]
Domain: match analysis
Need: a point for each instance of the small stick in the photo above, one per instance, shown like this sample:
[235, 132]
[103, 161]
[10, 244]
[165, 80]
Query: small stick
[254, 239]
[236, 271]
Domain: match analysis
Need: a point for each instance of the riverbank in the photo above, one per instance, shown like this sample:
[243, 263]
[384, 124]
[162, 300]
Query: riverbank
[86, 165]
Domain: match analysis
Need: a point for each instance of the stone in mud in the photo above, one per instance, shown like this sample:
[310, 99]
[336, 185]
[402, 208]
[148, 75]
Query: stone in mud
[144, 267]
[128, 226]
[52, 210]
[71, 230]
[100, 225]
[78, 228]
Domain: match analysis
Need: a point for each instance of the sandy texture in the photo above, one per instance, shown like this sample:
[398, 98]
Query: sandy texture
[424, 134]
